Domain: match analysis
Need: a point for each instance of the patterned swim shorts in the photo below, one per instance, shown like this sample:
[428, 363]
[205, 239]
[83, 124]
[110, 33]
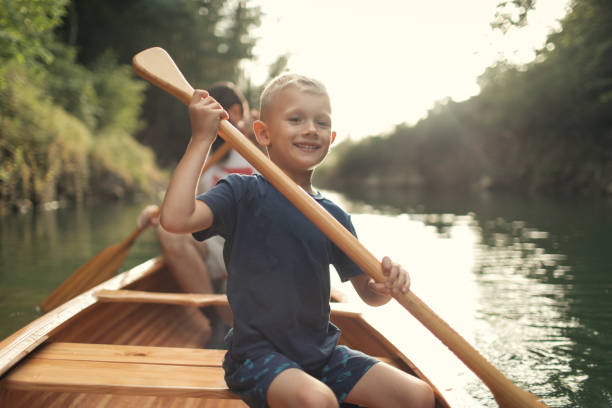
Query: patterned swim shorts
[251, 378]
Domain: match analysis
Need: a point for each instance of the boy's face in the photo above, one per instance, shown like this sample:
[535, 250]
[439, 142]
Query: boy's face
[297, 130]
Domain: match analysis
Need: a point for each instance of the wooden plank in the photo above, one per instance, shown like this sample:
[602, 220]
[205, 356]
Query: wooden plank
[122, 370]
[45, 399]
[185, 299]
[131, 354]
[142, 354]
[118, 378]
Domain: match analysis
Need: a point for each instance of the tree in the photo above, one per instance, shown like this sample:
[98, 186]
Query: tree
[26, 30]
[207, 39]
[57, 116]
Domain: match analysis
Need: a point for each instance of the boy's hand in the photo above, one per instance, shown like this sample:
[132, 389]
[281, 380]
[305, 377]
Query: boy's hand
[398, 279]
[205, 113]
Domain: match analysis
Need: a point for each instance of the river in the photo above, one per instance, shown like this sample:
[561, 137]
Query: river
[526, 280]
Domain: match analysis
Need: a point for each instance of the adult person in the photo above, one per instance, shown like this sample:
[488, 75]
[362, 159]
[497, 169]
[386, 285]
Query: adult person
[199, 267]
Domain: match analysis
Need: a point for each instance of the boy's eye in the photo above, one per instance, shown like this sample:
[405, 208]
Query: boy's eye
[294, 119]
[324, 123]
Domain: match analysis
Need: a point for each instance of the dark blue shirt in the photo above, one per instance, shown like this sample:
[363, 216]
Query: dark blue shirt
[278, 269]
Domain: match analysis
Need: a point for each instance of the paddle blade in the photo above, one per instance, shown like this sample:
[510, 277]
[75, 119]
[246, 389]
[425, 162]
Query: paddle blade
[101, 267]
[156, 66]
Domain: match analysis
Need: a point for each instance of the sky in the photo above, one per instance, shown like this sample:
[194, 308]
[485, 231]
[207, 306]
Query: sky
[387, 62]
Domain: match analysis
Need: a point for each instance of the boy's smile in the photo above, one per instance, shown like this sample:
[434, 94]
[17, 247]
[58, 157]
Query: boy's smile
[297, 131]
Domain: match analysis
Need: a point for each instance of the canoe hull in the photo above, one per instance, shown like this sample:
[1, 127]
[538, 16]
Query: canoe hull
[88, 321]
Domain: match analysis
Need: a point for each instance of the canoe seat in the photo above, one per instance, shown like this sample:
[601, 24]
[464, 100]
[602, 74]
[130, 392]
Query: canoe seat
[123, 370]
[185, 299]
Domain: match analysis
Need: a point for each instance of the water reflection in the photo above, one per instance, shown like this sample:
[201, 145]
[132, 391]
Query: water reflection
[38, 251]
[523, 316]
[521, 278]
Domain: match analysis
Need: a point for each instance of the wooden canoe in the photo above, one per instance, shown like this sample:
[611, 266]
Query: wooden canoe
[136, 341]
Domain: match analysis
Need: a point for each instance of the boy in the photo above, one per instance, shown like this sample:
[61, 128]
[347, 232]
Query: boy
[282, 351]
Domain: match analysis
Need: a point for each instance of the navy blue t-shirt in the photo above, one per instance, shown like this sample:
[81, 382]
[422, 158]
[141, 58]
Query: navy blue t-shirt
[278, 269]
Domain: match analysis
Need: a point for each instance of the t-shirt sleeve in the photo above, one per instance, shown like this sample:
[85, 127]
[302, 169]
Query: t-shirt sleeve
[222, 201]
[344, 265]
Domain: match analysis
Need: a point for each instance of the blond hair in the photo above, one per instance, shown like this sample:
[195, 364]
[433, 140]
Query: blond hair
[285, 81]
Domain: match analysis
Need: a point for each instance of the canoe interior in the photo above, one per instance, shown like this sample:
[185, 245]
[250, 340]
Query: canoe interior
[170, 326]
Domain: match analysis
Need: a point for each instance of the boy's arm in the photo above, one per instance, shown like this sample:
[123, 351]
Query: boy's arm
[181, 212]
[377, 294]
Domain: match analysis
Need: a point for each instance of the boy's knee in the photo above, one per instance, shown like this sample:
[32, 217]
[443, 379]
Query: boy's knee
[317, 397]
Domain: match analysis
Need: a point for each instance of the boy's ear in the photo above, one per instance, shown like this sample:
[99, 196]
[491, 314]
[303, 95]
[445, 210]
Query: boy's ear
[261, 132]
[333, 137]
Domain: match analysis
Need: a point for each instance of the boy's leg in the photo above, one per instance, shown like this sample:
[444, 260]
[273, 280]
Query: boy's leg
[386, 386]
[269, 378]
[294, 388]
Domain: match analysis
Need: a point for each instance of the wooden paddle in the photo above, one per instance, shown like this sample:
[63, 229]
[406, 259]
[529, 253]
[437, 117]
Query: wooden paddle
[105, 263]
[156, 66]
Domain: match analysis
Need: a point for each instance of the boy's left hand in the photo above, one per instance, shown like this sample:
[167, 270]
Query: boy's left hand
[398, 279]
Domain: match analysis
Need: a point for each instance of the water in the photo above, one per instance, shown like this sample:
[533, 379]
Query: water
[525, 280]
[39, 251]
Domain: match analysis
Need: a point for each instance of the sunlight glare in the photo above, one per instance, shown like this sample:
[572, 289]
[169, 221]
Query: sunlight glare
[389, 63]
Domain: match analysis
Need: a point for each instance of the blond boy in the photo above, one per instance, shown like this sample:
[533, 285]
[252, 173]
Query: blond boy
[282, 351]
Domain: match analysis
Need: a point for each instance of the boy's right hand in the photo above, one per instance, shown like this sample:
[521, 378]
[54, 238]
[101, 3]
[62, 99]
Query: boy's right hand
[205, 113]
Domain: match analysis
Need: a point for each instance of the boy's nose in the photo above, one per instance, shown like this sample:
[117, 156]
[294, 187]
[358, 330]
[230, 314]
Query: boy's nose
[310, 127]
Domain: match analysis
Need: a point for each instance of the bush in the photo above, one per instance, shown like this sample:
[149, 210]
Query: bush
[47, 153]
[122, 167]
[40, 144]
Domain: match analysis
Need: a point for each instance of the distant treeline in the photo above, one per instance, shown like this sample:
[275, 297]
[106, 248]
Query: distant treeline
[73, 114]
[545, 126]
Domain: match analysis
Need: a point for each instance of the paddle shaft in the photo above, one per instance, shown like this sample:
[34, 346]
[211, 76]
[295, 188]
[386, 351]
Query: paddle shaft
[157, 66]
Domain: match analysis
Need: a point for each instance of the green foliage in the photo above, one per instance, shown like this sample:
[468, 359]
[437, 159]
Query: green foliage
[72, 86]
[120, 96]
[53, 113]
[26, 28]
[104, 95]
[70, 104]
[206, 38]
[47, 153]
[122, 166]
[43, 149]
